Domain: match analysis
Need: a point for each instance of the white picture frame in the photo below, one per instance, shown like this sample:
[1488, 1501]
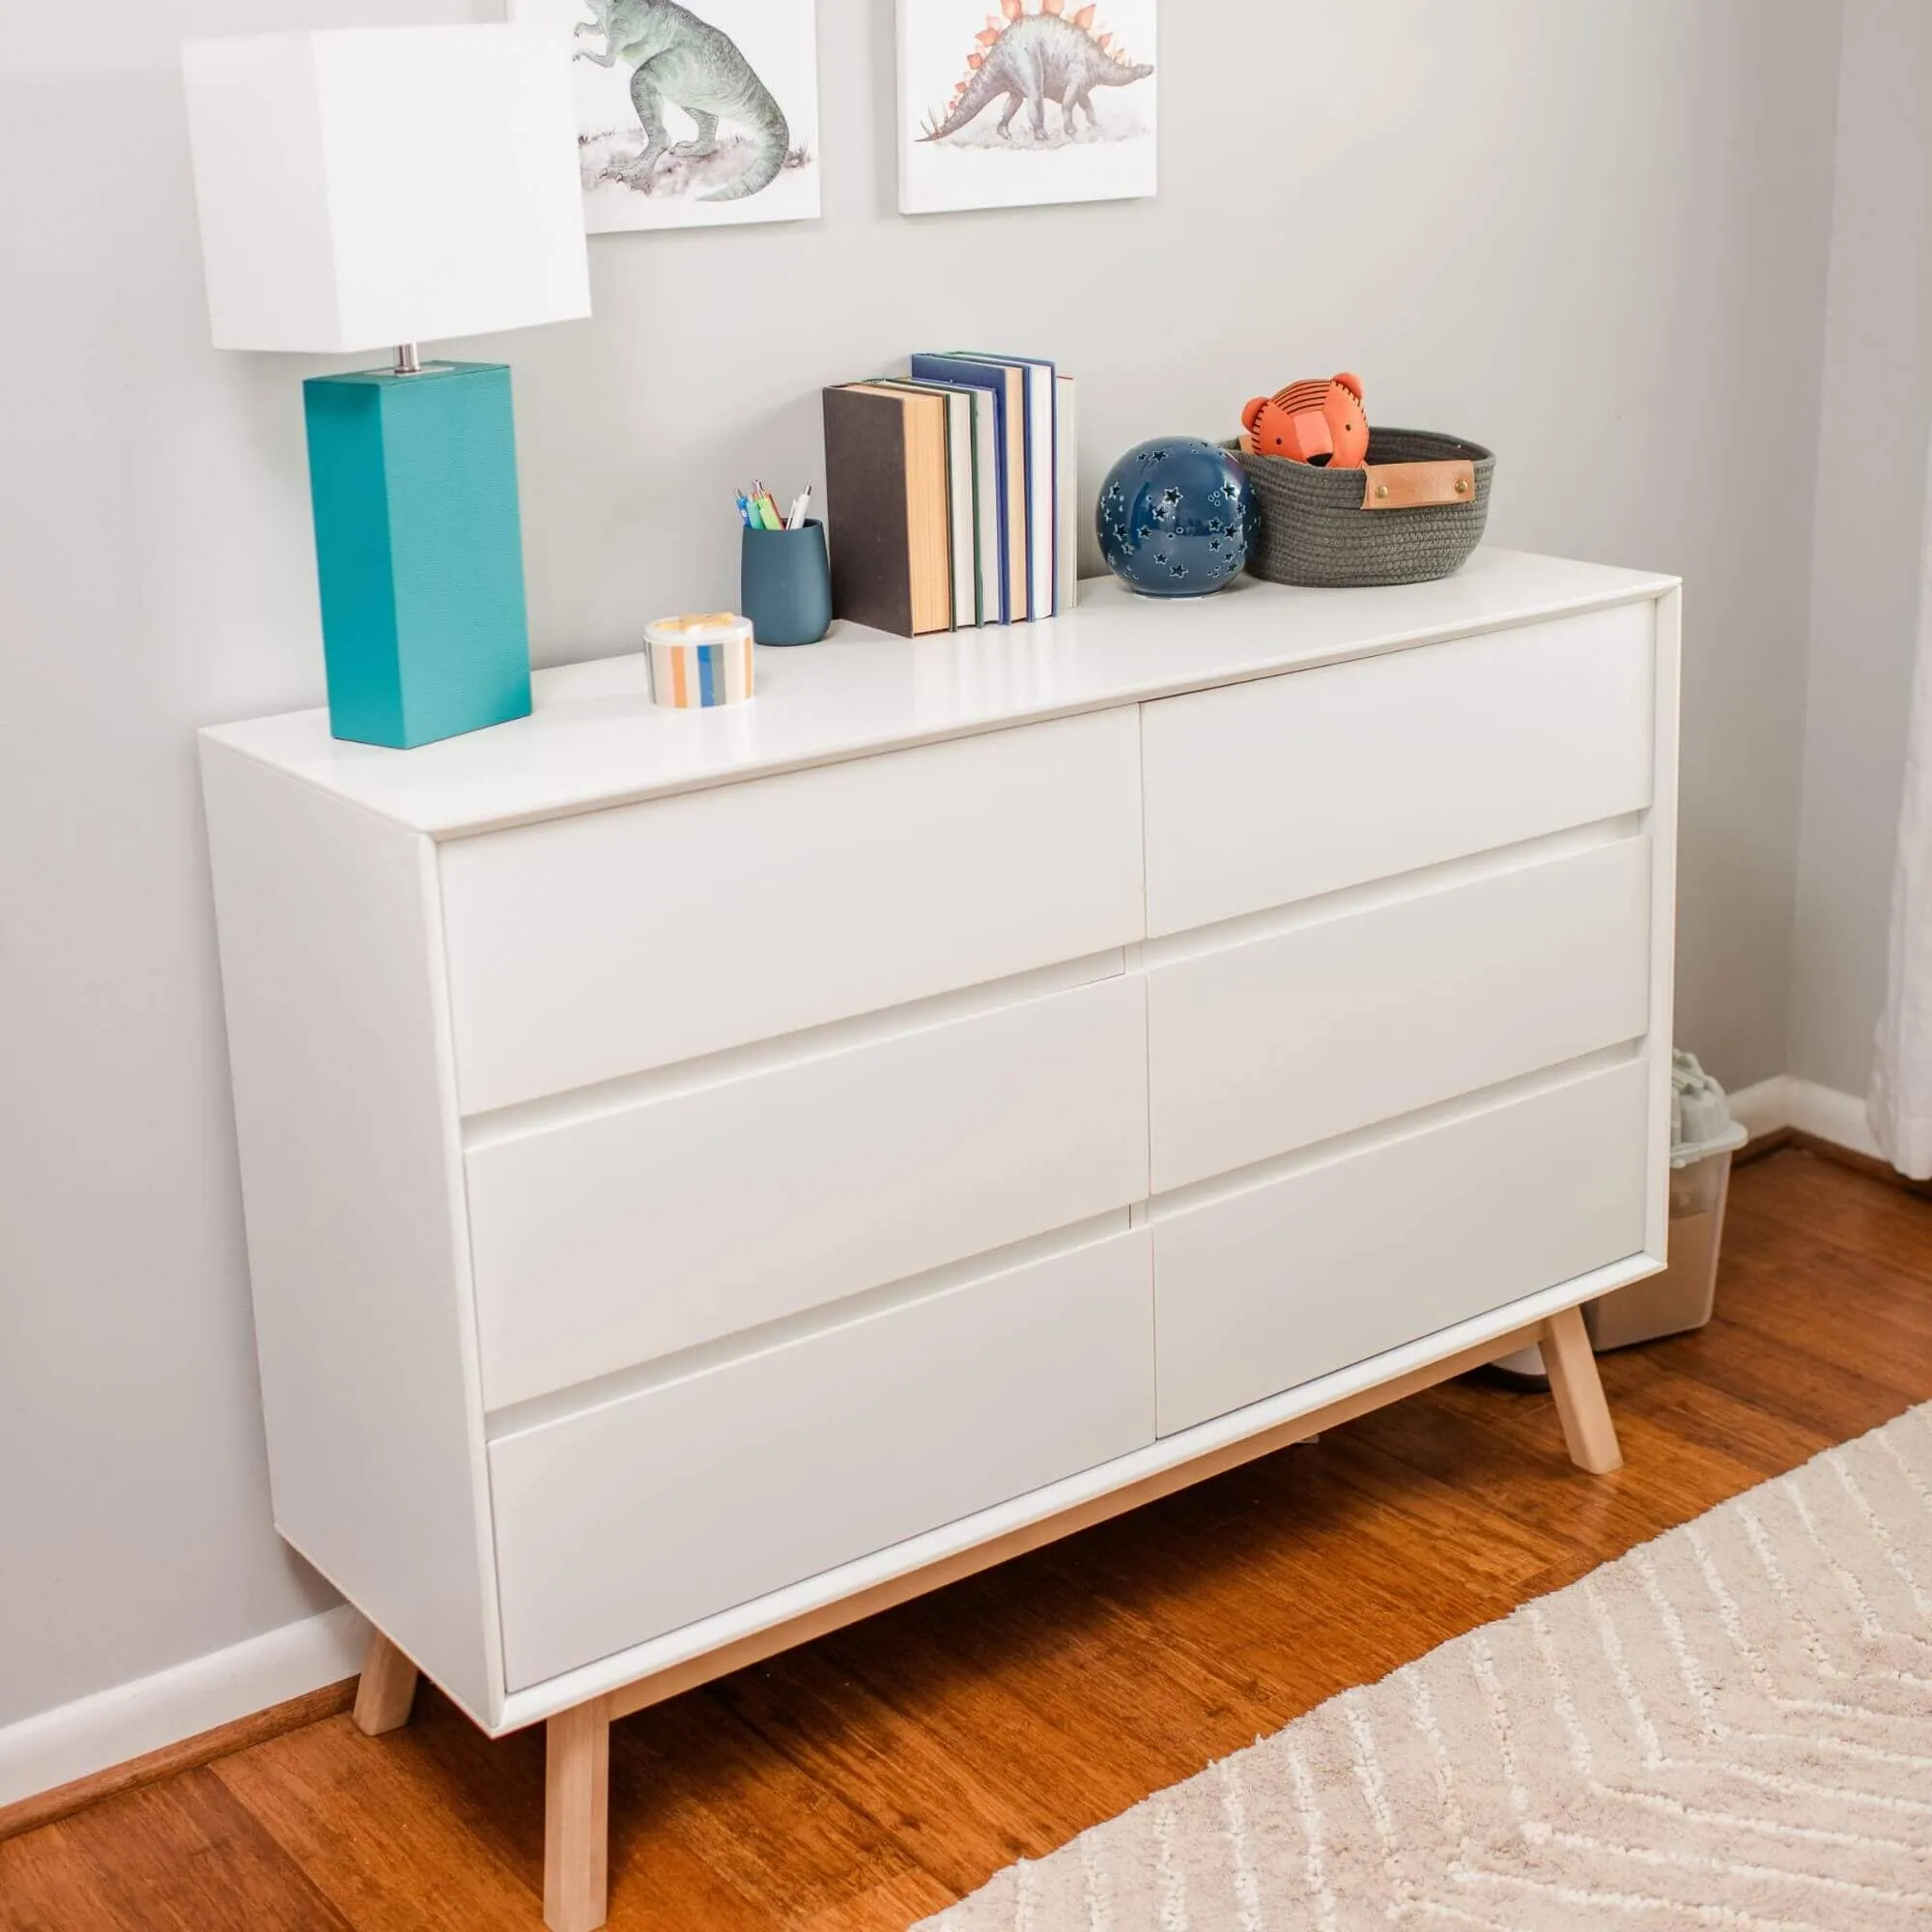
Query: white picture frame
[748, 67]
[1014, 103]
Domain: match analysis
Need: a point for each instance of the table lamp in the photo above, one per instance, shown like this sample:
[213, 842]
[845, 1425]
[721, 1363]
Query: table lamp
[383, 187]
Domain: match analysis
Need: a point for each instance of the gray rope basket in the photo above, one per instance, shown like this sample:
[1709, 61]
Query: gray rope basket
[1315, 530]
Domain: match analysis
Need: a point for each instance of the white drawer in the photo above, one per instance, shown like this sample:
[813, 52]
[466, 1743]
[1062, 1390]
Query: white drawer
[627, 939]
[652, 1511]
[1330, 1024]
[1264, 793]
[631, 1234]
[1262, 1291]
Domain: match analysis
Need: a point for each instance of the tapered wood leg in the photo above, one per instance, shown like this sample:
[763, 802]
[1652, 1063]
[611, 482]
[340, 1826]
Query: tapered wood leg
[387, 1689]
[1579, 1389]
[577, 1818]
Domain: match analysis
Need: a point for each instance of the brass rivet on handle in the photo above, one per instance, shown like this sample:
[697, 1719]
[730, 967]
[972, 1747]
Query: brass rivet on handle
[1462, 486]
[1381, 488]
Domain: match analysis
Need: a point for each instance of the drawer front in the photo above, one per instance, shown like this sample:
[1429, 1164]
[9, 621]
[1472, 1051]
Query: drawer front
[1262, 1291]
[627, 1236]
[1264, 793]
[630, 938]
[617, 1525]
[1261, 1047]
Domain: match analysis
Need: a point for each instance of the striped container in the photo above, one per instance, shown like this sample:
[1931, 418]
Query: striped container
[699, 662]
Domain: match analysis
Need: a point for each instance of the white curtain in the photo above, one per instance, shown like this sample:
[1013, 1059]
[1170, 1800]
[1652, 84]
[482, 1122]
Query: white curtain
[1899, 1107]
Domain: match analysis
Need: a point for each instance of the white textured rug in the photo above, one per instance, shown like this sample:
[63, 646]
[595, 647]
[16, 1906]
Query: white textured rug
[1730, 1726]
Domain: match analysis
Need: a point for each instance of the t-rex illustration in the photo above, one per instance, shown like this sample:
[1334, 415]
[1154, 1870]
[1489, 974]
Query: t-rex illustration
[674, 57]
[1031, 59]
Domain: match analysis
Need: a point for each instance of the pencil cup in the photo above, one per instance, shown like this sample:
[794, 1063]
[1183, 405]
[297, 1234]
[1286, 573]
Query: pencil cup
[785, 584]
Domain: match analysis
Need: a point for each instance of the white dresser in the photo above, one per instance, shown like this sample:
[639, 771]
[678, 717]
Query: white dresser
[709, 1175]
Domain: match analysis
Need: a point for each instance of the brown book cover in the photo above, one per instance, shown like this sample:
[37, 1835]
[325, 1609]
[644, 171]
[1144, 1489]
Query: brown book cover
[888, 511]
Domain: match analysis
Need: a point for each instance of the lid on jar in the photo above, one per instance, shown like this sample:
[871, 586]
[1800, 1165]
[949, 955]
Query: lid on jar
[712, 627]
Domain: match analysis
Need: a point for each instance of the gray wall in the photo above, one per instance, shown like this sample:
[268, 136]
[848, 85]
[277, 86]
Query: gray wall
[1870, 512]
[1593, 235]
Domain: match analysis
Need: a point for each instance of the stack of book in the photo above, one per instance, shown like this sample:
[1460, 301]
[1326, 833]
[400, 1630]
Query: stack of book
[951, 494]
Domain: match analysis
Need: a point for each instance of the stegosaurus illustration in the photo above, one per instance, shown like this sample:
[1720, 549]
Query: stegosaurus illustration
[1031, 59]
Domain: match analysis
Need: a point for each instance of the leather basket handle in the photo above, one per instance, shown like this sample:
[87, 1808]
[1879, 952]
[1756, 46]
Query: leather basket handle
[1406, 486]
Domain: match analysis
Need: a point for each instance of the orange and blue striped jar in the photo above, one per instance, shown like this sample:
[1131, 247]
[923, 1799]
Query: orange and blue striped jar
[699, 662]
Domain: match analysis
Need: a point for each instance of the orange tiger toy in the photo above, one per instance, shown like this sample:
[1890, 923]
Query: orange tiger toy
[1310, 422]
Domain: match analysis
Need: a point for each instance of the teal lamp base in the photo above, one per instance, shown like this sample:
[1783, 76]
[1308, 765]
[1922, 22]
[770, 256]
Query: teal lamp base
[419, 551]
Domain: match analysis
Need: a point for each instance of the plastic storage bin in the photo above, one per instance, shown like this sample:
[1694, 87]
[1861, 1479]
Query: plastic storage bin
[1681, 1297]
[1703, 1137]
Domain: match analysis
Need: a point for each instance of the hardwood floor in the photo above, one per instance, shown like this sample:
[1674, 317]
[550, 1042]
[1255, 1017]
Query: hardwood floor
[873, 1776]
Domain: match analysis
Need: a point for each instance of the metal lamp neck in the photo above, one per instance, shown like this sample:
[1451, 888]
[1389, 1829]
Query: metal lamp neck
[407, 362]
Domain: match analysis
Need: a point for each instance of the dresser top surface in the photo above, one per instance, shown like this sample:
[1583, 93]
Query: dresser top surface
[595, 739]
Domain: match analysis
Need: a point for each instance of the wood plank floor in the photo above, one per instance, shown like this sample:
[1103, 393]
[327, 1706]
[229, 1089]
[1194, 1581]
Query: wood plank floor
[857, 1785]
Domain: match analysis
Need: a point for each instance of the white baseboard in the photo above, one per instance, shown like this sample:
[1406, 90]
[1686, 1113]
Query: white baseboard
[1786, 1101]
[96, 1733]
[1832, 1116]
[1765, 1108]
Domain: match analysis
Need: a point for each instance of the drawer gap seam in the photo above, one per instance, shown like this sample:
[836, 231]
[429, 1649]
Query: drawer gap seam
[576, 1400]
[1190, 1195]
[520, 1118]
[1372, 894]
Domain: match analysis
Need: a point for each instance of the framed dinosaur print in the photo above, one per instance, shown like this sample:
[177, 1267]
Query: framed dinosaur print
[1008, 103]
[691, 116]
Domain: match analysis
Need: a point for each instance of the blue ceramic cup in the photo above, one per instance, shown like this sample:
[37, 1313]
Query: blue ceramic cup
[785, 584]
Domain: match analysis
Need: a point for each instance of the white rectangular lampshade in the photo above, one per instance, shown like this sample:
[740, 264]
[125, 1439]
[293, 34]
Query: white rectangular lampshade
[376, 186]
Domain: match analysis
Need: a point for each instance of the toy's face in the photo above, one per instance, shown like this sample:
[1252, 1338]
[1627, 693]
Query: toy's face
[1300, 436]
[1347, 428]
[1272, 435]
[1327, 427]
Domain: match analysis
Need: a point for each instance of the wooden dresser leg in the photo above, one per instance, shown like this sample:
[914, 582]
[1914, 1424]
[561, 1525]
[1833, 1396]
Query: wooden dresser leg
[387, 1689]
[577, 1818]
[1579, 1389]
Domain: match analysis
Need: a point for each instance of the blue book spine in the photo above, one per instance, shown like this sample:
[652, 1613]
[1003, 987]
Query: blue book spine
[979, 375]
[1042, 441]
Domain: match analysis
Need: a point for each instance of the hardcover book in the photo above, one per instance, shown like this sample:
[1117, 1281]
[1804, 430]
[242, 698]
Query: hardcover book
[1066, 461]
[1040, 455]
[1006, 389]
[888, 507]
[962, 458]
